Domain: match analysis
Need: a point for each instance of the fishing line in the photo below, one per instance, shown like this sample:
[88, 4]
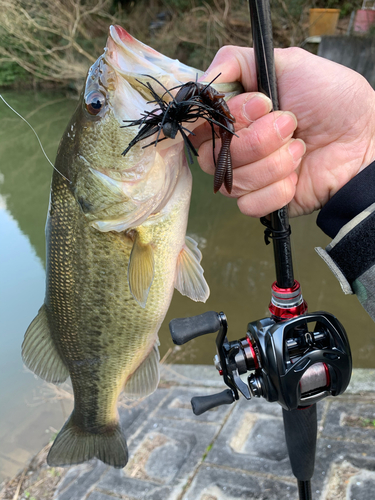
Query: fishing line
[36, 135]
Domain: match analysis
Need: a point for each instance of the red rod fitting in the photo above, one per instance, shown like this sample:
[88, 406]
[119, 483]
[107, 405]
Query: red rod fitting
[287, 303]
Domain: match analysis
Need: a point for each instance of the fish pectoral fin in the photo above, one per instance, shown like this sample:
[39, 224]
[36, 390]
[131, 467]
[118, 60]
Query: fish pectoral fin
[189, 278]
[145, 379]
[75, 445]
[141, 270]
[39, 352]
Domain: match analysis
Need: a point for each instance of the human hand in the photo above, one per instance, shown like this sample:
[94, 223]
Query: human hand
[334, 140]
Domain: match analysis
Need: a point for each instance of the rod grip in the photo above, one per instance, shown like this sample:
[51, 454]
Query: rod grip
[185, 329]
[300, 433]
[201, 404]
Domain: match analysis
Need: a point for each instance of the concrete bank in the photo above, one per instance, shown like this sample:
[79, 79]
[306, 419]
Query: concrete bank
[233, 452]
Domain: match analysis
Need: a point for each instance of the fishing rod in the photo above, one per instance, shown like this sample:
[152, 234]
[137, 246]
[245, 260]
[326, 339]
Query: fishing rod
[300, 424]
[294, 357]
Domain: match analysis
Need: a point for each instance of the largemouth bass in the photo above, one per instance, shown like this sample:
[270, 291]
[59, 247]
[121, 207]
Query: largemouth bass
[116, 249]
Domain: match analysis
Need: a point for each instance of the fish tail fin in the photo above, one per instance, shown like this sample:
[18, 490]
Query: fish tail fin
[74, 445]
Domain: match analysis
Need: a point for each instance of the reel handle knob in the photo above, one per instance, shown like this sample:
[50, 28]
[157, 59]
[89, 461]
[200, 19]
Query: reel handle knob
[185, 329]
[201, 404]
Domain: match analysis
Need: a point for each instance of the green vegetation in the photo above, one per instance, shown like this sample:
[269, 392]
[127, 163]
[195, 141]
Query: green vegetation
[206, 452]
[367, 422]
[54, 472]
[11, 72]
[28, 496]
[53, 43]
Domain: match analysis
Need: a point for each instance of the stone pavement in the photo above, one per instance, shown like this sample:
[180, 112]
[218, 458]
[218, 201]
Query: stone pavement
[232, 452]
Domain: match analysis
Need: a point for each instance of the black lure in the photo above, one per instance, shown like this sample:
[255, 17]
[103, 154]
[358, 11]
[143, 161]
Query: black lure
[193, 101]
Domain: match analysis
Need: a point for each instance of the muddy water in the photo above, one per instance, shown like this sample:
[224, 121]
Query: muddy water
[238, 267]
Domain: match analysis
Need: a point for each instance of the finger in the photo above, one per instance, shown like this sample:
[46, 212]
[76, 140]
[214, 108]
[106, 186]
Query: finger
[238, 64]
[234, 64]
[267, 200]
[246, 108]
[267, 171]
[262, 138]
[249, 107]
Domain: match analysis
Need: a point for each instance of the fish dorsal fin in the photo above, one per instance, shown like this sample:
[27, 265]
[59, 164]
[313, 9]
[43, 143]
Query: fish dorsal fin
[141, 270]
[189, 273]
[145, 379]
[39, 352]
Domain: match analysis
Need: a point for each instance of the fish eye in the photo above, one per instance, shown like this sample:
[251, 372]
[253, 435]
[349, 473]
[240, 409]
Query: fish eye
[94, 101]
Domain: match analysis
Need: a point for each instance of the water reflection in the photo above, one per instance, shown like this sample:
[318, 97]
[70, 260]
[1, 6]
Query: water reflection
[26, 421]
[238, 267]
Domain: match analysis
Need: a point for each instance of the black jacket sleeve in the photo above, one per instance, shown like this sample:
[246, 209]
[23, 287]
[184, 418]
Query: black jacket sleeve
[349, 218]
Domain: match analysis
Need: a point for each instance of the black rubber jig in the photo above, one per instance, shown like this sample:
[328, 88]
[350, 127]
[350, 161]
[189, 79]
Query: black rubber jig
[193, 101]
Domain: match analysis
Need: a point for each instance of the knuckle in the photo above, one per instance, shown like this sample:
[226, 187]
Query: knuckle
[255, 140]
[251, 206]
[279, 165]
[227, 50]
[274, 167]
[294, 52]
[287, 192]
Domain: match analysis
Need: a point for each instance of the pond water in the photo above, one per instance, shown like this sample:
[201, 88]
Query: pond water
[238, 267]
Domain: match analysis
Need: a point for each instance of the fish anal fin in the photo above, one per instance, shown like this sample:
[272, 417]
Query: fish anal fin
[145, 379]
[141, 270]
[74, 445]
[39, 352]
[189, 278]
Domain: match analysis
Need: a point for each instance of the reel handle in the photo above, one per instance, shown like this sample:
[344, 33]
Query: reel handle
[201, 404]
[185, 329]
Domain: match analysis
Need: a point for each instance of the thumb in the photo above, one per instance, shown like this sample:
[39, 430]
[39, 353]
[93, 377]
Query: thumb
[234, 64]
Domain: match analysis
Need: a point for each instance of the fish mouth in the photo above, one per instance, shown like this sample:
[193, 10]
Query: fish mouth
[136, 63]
[139, 67]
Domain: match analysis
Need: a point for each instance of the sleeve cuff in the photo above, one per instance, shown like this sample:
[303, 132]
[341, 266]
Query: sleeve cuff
[351, 254]
[348, 202]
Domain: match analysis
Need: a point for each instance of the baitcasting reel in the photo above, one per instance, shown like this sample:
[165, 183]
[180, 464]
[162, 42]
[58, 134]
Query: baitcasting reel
[295, 362]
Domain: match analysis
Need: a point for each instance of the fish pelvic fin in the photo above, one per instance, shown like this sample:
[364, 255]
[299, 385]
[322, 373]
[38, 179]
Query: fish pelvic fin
[145, 379]
[39, 353]
[189, 278]
[74, 445]
[141, 270]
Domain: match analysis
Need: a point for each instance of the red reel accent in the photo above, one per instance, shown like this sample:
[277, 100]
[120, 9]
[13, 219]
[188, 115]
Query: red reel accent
[256, 364]
[291, 312]
[327, 375]
[287, 303]
[295, 288]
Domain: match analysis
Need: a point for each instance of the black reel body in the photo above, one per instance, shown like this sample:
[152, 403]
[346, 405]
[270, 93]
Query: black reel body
[295, 362]
[299, 367]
